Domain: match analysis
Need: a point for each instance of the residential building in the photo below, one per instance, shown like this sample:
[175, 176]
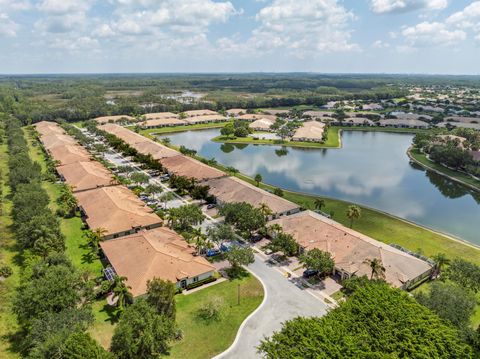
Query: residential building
[311, 131]
[86, 175]
[158, 253]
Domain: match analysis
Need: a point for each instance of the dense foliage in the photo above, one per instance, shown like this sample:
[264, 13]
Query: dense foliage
[375, 322]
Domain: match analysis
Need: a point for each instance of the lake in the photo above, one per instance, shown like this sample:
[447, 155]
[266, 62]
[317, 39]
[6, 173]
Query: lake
[372, 169]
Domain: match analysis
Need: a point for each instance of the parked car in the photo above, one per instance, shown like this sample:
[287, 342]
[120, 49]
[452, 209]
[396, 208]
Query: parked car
[210, 206]
[212, 252]
[256, 238]
[309, 273]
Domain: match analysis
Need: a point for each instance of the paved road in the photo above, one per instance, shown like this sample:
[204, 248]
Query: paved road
[283, 301]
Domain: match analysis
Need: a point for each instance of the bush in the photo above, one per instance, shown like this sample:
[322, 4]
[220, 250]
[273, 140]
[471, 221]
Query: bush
[212, 310]
[201, 282]
[5, 271]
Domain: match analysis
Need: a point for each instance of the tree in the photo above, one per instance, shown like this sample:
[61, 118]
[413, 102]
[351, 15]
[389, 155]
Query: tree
[318, 260]
[161, 296]
[258, 178]
[284, 242]
[450, 301]
[376, 267]
[94, 238]
[142, 333]
[440, 260]
[232, 170]
[353, 212]
[80, 345]
[200, 192]
[243, 216]
[56, 288]
[153, 189]
[352, 330]
[278, 192]
[465, 274]
[139, 178]
[227, 130]
[319, 203]
[122, 292]
[241, 132]
[182, 218]
[239, 256]
[265, 210]
[166, 197]
[221, 233]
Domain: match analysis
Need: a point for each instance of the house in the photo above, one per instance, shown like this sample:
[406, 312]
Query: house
[47, 128]
[462, 119]
[112, 119]
[68, 154]
[116, 210]
[400, 115]
[403, 123]
[372, 107]
[192, 120]
[160, 116]
[318, 114]
[311, 131]
[194, 113]
[162, 122]
[352, 250]
[181, 165]
[232, 189]
[262, 124]
[157, 253]
[51, 140]
[87, 175]
[475, 126]
[157, 150]
[275, 112]
[254, 116]
[358, 121]
[235, 112]
[124, 134]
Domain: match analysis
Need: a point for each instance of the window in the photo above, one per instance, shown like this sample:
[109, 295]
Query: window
[195, 279]
[115, 236]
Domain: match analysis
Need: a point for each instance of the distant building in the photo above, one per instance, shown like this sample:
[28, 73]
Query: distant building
[311, 131]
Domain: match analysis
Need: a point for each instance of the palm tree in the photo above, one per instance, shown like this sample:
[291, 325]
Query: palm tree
[376, 265]
[266, 211]
[94, 238]
[122, 292]
[200, 240]
[275, 229]
[167, 196]
[153, 189]
[319, 203]
[258, 178]
[440, 260]
[353, 212]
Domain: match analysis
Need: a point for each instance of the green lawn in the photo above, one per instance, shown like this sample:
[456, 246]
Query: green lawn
[204, 340]
[420, 157]
[203, 126]
[333, 141]
[8, 256]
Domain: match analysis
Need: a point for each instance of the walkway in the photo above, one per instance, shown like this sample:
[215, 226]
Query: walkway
[283, 301]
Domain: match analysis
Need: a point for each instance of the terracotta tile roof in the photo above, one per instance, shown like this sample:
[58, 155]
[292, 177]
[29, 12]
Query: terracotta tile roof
[236, 111]
[123, 133]
[67, 154]
[262, 124]
[311, 130]
[232, 189]
[160, 253]
[255, 116]
[115, 209]
[159, 122]
[205, 118]
[155, 149]
[107, 119]
[160, 115]
[52, 140]
[199, 113]
[85, 175]
[351, 249]
[191, 168]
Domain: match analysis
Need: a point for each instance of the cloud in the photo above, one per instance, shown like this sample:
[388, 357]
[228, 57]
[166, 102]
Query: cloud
[303, 27]
[468, 18]
[432, 33]
[402, 6]
[8, 27]
[19, 5]
[379, 44]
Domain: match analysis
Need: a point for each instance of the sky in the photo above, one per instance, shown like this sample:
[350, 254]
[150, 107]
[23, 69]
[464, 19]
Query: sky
[326, 36]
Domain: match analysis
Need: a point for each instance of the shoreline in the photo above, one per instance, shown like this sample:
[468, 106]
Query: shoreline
[428, 168]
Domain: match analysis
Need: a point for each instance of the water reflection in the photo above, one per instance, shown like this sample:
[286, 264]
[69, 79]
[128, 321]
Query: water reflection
[372, 168]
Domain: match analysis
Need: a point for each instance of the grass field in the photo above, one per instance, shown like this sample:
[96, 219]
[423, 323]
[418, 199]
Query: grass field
[333, 141]
[420, 157]
[8, 256]
[204, 340]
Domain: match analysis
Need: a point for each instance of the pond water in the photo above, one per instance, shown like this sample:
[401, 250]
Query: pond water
[371, 168]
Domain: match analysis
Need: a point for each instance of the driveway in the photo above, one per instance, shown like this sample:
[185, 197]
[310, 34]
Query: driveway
[283, 301]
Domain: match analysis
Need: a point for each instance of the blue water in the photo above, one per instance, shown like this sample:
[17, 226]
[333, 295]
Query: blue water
[371, 168]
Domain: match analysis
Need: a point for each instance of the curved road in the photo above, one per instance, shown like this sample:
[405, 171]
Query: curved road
[283, 301]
